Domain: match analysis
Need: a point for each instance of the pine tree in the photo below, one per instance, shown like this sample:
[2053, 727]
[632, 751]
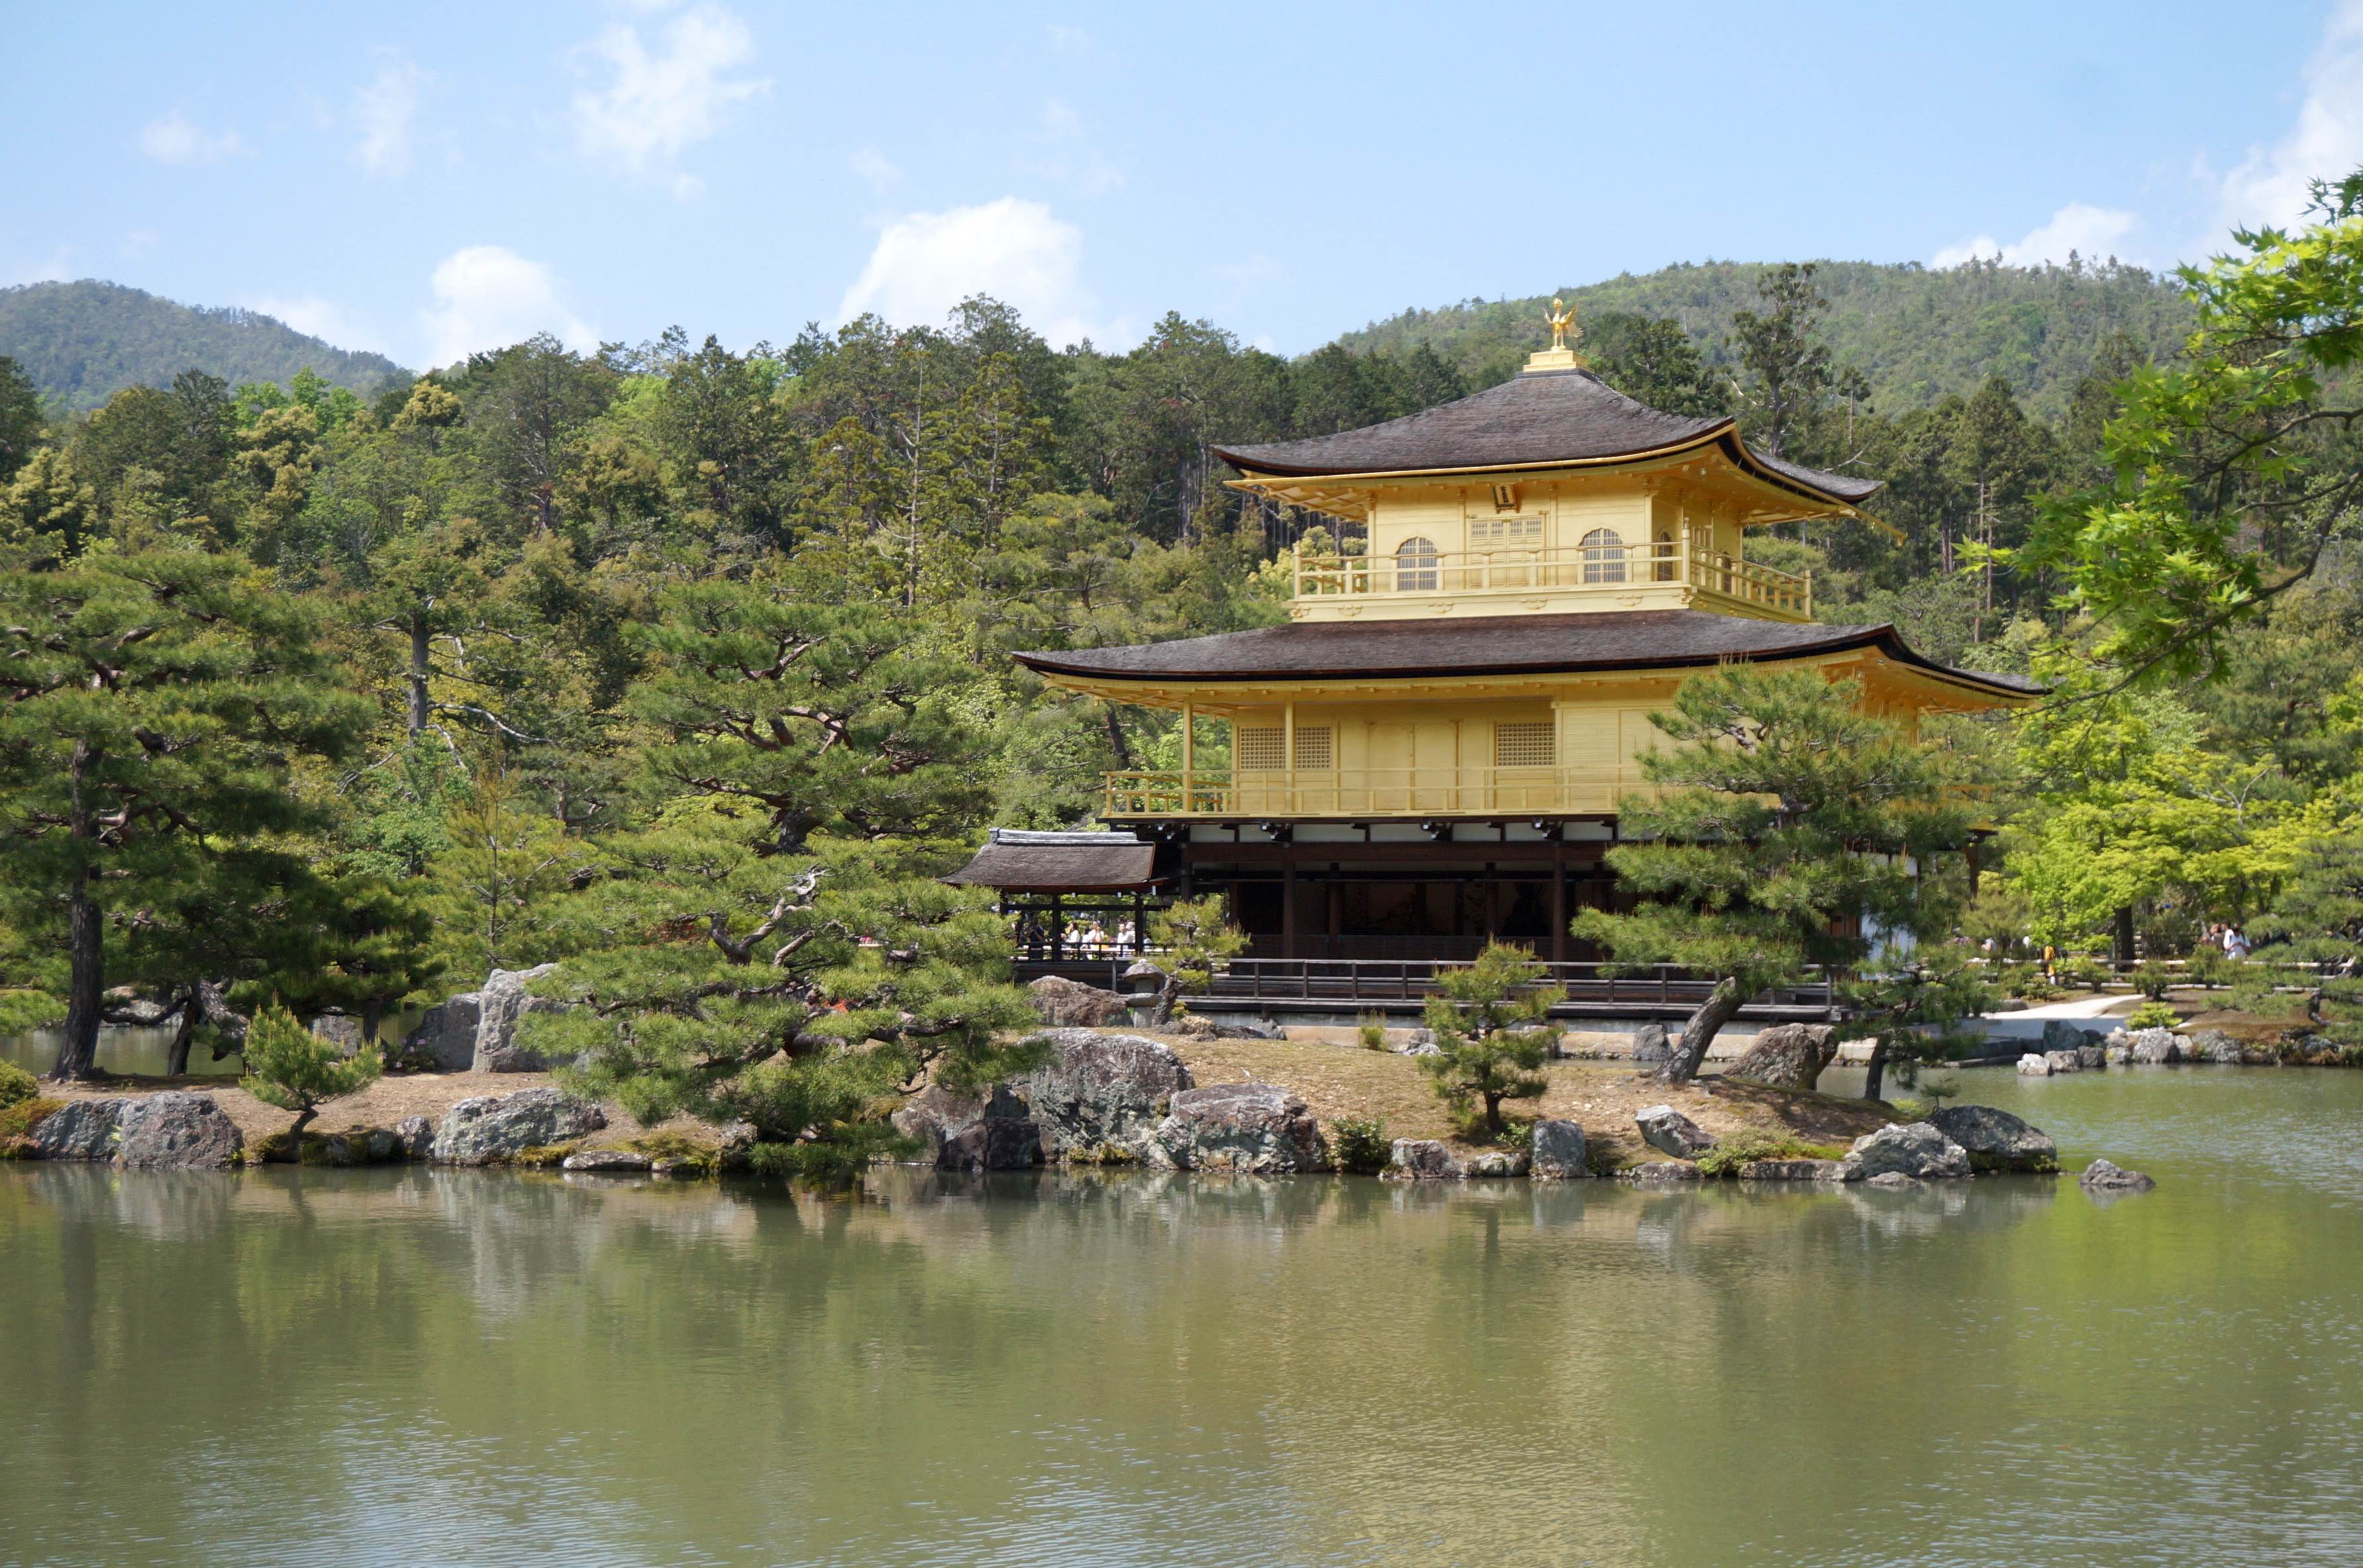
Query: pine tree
[291, 1067]
[1492, 1026]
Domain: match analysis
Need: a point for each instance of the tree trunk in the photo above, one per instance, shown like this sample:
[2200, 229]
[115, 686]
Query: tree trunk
[418, 649]
[1875, 1072]
[1116, 737]
[86, 954]
[184, 1036]
[1721, 1005]
[2122, 938]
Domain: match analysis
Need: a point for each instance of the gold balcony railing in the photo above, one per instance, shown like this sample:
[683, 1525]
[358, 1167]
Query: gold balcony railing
[1354, 793]
[1603, 568]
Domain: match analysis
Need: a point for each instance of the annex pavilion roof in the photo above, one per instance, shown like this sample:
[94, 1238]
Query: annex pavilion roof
[1495, 645]
[1015, 860]
[1546, 418]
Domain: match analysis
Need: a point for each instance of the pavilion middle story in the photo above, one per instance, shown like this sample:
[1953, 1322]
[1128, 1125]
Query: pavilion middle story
[1430, 751]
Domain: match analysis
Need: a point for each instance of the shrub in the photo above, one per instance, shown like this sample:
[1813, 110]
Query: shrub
[2153, 1014]
[16, 1085]
[1743, 1148]
[19, 1119]
[2210, 966]
[2152, 979]
[1360, 1145]
[1373, 1031]
[291, 1067]
[2084, 974]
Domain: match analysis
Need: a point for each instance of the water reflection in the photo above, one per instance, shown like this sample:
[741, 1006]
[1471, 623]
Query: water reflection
[417, 1365]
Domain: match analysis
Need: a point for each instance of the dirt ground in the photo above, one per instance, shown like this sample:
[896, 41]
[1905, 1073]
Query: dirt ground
[1343, 1080]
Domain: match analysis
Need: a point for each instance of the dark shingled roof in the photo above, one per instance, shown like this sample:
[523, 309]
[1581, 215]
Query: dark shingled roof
[1491, 645]
[1537, 418]
[1019, 862]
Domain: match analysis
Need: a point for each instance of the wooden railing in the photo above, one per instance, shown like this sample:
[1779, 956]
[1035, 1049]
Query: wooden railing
[1351, 980]
[1360, 792]
[1605, 569]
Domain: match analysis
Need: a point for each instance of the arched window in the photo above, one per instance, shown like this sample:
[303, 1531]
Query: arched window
[1603, 555]
[1415, 566]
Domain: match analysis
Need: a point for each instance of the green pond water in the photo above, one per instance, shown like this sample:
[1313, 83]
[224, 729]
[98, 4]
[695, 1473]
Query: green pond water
[426, 1367]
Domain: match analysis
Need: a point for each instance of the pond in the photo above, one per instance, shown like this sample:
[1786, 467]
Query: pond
[138, 1052]
[418, 1366]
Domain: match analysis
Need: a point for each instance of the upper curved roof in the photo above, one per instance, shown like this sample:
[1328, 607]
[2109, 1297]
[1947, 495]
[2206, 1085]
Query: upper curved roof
[1495, 645]
[1532, 420]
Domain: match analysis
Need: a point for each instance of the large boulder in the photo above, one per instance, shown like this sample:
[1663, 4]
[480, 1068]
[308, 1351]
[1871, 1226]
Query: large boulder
[2101, 1176]
[493, 1129]
[607, 1162]
[2035, 1065]
[1915, 1149]
[1995, 1140]
[1102, 1094]
[1660, 1173]
[445, 1040]
[2064, 1060]
[177, 1131]
[1495, 1165]
[79, 1130]
[1669, 1132]
[1650, 1044]
[1557, 1152]
[416, 1135]
[502, 1004]
[1421, 1159]
[341, 1030]
[1001, 1138]
[1247, 1129]
[1788, 1057]
[1794, 1170]
[2059, 1034]
[2151, 1046]
[2212, 1046]
[1071, 1004]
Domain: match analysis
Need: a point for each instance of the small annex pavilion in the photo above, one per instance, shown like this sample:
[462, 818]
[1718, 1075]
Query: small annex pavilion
[1430, 751]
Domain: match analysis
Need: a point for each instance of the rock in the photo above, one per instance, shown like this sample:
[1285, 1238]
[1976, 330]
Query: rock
[608, 1161]
[2092, 1058]
[1252, 1029]
[2103, 1176]
[679, 1167]
[1557, 1153]
[1650, 1044]
[1420, 1159]
[494, 1128]
[445, 1040]
[1660, 1173]
[1892, 1181]
[1670, 1132]
[1003, 1137]
[1995, 1140]
[2035, 1065]
[1495, 1165]
[1421, 1043]
[2064, 1061]
[345, 1032]
[1071, 1004]
[176, 1131]
[2059, 1034]
[2153, 1046]
[1247, 1129]
[933, 1115]
[2212, 1046]
[2117, 1056]
[1914, 1149]
[1794, 1170]
[362, 1146]
[79, 1130]
[416, 1135]
[1102, 1093]
[501, 1003]
[1787, 1057]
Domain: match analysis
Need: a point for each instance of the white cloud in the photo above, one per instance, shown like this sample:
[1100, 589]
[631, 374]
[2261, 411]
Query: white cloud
[2326, 142]
[384, 112]
[1072, 154]
[173, 139]
[876, 167]
[488, 296]
[2091, 232]
[55, 269]
[925, 263]
[656, 101]
[316, 317]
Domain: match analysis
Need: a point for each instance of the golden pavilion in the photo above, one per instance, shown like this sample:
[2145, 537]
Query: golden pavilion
[1430, 751]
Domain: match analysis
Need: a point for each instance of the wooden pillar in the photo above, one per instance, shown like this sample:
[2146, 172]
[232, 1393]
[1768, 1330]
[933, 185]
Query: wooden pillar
[1288, 901]
[1334, 922]
[1288, 755]
[1057, 926]
[1558, 903]
[1189, 752]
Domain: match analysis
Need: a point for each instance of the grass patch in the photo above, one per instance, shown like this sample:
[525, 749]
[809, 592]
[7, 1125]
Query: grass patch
[1745, 1148]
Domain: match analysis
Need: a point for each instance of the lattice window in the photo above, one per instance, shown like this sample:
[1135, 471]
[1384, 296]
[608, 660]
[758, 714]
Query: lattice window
[1263, 751]
[1415, 566]
[1313, 751]
[1519, 532]
[1523, 745]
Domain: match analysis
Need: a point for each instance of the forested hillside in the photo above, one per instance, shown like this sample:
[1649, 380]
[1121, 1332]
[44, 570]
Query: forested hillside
[1915, 333]
[82, 342]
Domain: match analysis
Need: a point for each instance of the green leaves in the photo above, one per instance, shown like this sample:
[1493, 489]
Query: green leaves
[1491, 1031]
[289, 1066]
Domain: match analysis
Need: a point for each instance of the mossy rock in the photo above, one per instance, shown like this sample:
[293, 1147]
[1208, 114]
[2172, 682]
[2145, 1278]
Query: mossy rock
[18, 1120]
[543, 1156]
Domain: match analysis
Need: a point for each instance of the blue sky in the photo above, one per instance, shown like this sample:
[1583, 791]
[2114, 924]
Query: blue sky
[428, 179]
